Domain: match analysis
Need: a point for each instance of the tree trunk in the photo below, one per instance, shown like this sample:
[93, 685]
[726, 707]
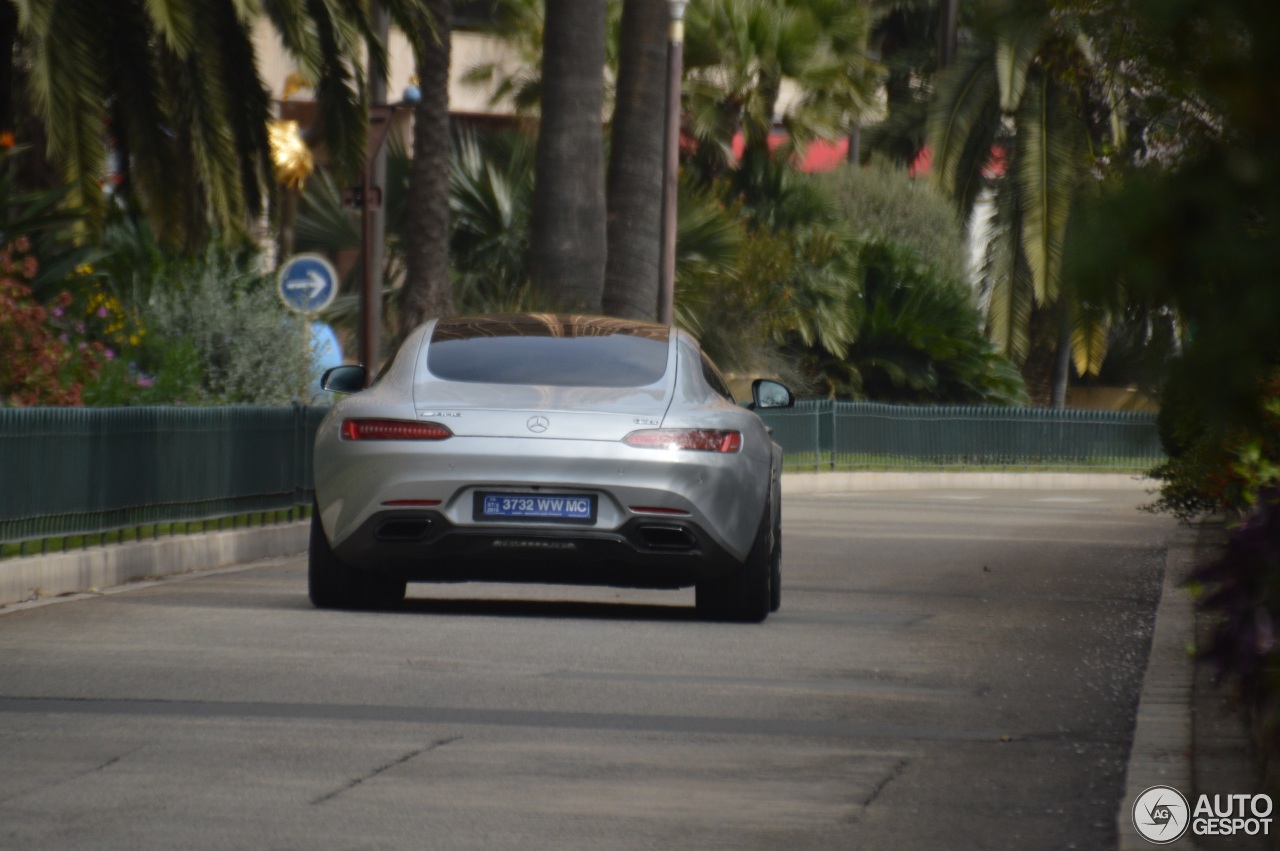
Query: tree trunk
[8, 38]
[567, 256]
[1062, 363]
[635, 164]
[427, 292]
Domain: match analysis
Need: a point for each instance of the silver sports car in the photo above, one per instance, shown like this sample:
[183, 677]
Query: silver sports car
[547, 448]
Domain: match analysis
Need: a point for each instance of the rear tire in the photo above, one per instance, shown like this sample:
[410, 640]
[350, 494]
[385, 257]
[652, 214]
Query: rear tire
[775, 569]
[333, 584]
[745, 596]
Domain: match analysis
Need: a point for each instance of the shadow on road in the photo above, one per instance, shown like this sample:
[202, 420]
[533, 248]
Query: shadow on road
[561, 609]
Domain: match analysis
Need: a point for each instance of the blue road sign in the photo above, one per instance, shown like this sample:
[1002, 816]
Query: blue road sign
[308, 283]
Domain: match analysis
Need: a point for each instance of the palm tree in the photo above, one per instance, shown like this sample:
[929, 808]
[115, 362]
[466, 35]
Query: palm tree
[177, 85]
[1035, 95]
[635, 163]
[427, 291]
[738, 54]
[568, 251]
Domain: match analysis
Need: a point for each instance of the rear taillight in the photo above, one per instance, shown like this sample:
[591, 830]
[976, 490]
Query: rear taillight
[695, 439]
[393, 430]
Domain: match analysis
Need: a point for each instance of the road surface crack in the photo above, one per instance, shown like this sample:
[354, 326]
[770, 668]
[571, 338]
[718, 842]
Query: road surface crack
[52, 784]
[439, 743]
[889, 778]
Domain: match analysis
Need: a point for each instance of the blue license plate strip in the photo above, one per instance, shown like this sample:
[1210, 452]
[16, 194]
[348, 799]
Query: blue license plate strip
[535, 507]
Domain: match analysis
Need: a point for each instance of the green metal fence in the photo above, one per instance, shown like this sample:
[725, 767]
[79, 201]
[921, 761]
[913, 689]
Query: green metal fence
[822, 434]
[82, 471]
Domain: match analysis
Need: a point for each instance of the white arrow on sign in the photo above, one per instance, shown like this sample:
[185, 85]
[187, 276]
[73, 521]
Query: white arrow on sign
[314, 283]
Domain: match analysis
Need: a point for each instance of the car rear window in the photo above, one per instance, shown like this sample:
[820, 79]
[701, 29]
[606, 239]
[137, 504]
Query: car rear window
[549, 350]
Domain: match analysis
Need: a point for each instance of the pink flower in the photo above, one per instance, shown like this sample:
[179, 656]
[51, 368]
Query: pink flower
[102, 313]
[57, 311]
[145, 381]
[22, 244]
[110, 354]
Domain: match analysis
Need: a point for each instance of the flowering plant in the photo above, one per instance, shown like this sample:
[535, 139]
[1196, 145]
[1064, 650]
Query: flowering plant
[38, 365]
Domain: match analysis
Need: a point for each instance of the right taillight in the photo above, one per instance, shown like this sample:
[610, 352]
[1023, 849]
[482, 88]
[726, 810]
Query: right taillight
[692, 439]
[393, 430]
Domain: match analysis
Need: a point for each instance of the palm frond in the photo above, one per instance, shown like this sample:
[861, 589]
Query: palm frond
[1048, 170]
[1017, 44]
[144, 127]
[291, 21]
[1113, 92]
[69, 97]
[208, 101]
[340, 90]
[324, 224]
[1090, 333]
[1006, 280]
[245, 89]
[176, 22]
[966, 93]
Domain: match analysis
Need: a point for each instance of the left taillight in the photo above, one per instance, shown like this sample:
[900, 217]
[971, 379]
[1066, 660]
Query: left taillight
[694, 439]
[393, 430]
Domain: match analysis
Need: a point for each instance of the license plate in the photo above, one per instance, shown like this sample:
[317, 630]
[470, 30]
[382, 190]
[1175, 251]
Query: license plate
[558, 507]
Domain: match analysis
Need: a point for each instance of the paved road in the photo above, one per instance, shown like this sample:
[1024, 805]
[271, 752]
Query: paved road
[949, 670]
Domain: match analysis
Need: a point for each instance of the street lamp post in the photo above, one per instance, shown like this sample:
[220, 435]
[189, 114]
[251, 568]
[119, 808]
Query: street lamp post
[671, 161]
[368, 196]
[371, 238]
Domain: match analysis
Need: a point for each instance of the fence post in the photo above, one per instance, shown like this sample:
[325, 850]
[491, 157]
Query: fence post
[835, 438]
[817, 439]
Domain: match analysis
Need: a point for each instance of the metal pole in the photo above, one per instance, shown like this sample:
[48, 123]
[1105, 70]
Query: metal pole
[372, 220]
[950, 18]
[671, 162]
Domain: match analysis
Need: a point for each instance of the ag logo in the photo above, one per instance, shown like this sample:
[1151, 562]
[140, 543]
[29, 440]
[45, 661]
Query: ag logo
[538, 425]
[1161, 815]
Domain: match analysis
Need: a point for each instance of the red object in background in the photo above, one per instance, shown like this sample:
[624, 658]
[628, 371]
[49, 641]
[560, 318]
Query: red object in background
[820, 156]
[922, 165]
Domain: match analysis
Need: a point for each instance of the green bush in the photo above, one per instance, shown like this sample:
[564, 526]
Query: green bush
[250, 348]
[192, 329]
[1215, 463]
[918, 338]
[881, 203]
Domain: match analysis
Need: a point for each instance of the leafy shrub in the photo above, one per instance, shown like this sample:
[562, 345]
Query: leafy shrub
[918, 338]
[1215, 463]
[881, 203]
[1243, 590]
[39, 364]
[250, 348]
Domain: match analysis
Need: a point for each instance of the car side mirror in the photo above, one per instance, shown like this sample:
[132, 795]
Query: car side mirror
[770, 394]
[343, 379]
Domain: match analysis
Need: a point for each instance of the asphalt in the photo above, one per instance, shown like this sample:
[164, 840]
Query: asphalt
[1186, 735]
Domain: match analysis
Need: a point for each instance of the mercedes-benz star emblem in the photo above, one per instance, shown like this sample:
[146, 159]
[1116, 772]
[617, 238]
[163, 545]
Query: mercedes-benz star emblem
[538, 425]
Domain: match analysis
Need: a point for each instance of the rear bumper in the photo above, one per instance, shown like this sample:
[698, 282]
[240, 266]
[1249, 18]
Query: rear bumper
[723, 495]
[646, 552]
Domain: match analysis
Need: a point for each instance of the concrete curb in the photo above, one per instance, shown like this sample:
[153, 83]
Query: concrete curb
[1161, 753]
[36, 577]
